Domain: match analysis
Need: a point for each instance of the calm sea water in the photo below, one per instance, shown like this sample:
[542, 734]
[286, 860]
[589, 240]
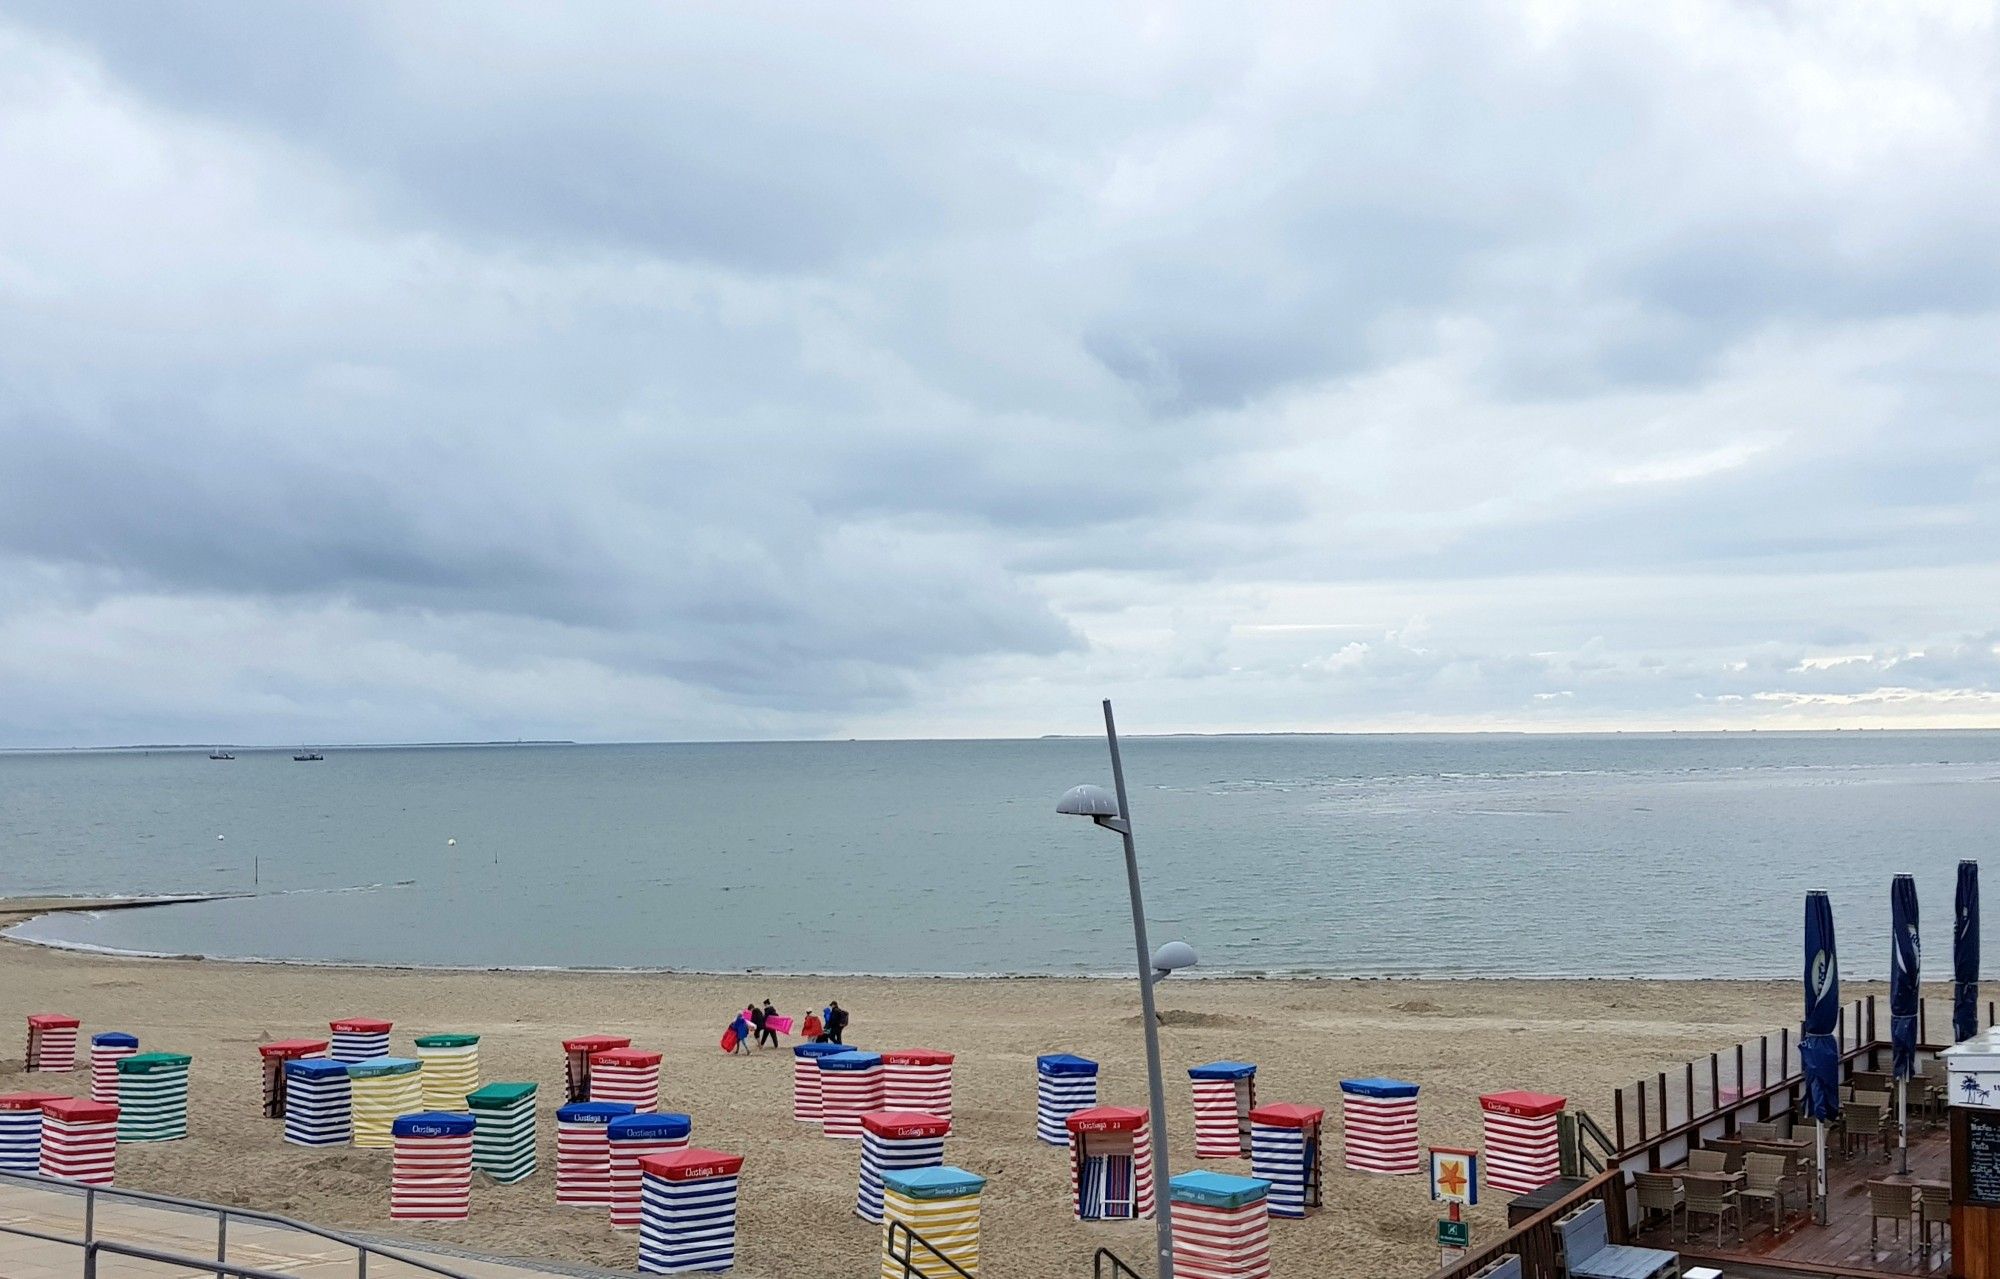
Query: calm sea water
[1674, 855]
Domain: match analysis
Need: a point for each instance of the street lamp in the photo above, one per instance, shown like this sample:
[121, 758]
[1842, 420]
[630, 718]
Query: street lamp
[1115, 813]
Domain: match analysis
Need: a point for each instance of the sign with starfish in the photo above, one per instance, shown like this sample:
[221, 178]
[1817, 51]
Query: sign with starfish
[1454, 1175]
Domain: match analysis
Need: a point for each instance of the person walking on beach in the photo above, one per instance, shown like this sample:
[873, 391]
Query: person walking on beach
[836, 1022]
[765, 1016]
[741, 1028]
[756, 1016]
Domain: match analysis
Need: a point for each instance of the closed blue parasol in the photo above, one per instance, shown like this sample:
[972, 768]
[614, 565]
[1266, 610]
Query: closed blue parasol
[1819, 1053]
[1906, 960]
[1965, 955]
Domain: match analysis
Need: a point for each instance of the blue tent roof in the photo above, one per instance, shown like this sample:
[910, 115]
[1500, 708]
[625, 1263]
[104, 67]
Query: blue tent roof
[820, 1050]
[432, 1123]
[115, 1039]
[851, 1061]
[1064, 1064]
[934, 1183]
[594, 1112]
[1378, 1086]
[315, 1068]
[649, 1127]
[1222, 1070]
[1217, 1189]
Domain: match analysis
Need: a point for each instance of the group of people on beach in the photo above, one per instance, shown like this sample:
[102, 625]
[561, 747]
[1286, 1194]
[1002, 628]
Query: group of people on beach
[758, 1025]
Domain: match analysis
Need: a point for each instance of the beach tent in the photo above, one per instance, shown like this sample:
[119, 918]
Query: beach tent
[941, 1205]
[1064, 1084]
[576, 1061]
[1285, 1151]
[629, 1139]
[430, 1174]
[107, 1049]
[274, 1055]
[319, 1102]
[687, 1204]
[52, 1042]
[21, 1130]
[892, 1141]
[1905, 969]
[1819, 1054]
[1225, 1092]
[583, 1151]
[1111, 1163]
[1221, 1226]
[1965, 956]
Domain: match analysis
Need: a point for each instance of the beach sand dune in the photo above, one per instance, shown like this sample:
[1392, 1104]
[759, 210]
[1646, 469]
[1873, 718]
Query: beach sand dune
[1456, 1039]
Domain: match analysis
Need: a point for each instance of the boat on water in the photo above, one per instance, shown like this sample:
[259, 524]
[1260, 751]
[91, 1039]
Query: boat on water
[219, 753]
[306, 756]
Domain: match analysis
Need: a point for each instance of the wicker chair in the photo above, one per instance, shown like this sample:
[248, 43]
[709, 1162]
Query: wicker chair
[1934, 1209]
[1707, 1161]
[1660, 1192]
[1889, 1201]
[1758, 1132]
[1862, 1123]
[1765, 1178]
[1712, 1199]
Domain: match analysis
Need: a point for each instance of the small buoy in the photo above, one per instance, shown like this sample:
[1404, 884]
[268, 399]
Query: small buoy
[451, 843]
[222, 837]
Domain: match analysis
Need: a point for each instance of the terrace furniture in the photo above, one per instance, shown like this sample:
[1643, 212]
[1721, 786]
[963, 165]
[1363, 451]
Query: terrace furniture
[1707, 1161]
[1711, 1195]
[1507, 1266]
[1731, 1148]
[1891, 1201]
[1862, 1123]
[1934, 1209]
[1797, 1156]
[1765, 1179]
[1870, 1081]
[1660, 1192]
[1757, 1132]
[1588, 1252]
[1936, 1089]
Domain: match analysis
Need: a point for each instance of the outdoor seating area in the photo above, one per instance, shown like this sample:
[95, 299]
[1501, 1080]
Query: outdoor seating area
[1739, 1201]
[1588, 1253]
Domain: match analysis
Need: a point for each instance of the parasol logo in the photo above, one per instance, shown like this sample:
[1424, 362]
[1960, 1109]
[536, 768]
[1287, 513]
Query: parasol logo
[1822, 974]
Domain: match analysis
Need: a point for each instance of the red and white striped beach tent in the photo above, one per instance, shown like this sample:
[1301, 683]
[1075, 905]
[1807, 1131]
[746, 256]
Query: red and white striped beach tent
[1225, 1092]
[80, 1140]
[1379, 1126]
[917, 1079]
[274, 1055]
[1110, 1163]
[1222, 1226]
[577, 1052]
[629, 1139]
[431, 1176]
[626, 1074]
[51, 1042]
[1522, 1146]
[107, 1049]
[583, 1152]
[850, 1085]
[807, 1105]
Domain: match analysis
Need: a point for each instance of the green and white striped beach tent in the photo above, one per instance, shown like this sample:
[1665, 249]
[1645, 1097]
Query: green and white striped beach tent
[503, 1142]
[153, 1097]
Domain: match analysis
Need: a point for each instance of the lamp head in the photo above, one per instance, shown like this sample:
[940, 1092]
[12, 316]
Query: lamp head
[1172, 956]
[1088, 801]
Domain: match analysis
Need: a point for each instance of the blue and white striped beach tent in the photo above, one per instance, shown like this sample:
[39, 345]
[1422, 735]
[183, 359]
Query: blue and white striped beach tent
[1063, 1085]
[318, 1102]
[688, 1211]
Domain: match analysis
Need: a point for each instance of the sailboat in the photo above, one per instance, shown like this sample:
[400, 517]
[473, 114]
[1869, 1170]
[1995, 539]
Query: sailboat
[219, 753]
[305, 756]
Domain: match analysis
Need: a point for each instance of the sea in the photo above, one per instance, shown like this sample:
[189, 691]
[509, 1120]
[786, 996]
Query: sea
[1626, 855]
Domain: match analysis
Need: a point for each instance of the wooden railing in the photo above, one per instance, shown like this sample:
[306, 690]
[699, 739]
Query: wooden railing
[1536, 1240]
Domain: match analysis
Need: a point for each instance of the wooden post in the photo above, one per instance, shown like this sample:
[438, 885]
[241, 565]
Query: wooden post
[1642, 1109]
[1664, 1122]
[1618, 1117]
[1763, 1062]
[1714, 1082]
[1689, 1117]
[1923, 1020]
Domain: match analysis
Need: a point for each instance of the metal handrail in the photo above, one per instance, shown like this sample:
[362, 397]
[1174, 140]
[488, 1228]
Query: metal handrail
[363, 1249]
[908, 1255]
[1118, 1266]
[223, 1269]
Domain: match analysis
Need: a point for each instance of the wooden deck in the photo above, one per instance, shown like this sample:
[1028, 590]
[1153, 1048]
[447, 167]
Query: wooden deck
[1839, 1247]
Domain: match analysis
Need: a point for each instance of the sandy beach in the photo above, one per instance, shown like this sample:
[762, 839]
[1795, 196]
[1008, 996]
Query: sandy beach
[1456, 1039]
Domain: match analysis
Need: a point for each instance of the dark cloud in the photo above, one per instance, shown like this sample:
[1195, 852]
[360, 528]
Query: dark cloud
[741, 371]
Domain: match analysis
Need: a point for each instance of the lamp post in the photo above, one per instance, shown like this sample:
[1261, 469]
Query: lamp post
[1116, 814]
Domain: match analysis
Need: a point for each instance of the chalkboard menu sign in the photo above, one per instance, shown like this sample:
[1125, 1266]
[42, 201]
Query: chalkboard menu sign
[1982, 1158]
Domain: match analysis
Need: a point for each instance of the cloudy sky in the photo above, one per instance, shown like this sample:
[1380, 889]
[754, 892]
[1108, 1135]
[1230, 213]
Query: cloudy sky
[399, 371]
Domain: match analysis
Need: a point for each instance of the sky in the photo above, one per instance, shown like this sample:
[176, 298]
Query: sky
[382, 372]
